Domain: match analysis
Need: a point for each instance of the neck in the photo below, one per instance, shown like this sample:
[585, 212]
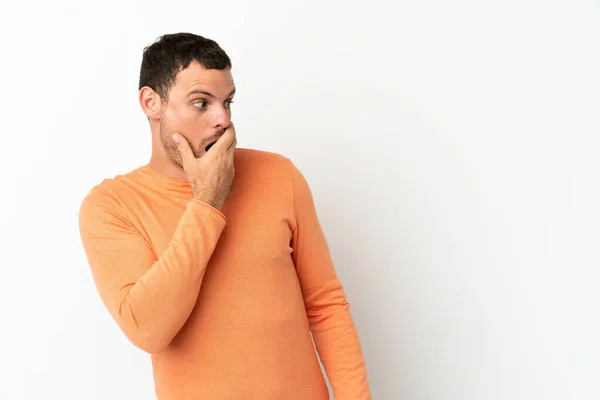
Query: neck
[166, 167]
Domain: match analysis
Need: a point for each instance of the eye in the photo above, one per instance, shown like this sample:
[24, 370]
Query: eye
[228, 103]
[200, 103]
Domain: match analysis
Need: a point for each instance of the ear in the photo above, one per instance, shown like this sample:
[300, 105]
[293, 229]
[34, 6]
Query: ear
[150, 102]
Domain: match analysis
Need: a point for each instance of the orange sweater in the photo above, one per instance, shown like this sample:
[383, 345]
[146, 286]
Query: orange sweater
[225, 301]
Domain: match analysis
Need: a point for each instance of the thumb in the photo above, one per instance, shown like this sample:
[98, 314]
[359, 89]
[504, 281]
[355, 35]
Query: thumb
[184, 147]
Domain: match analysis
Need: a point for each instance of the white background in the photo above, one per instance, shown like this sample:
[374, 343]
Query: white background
[452, 148]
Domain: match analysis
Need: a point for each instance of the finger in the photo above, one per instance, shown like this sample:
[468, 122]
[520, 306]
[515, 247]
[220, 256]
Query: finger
[231, 152]
[233, 145]
[184, 147]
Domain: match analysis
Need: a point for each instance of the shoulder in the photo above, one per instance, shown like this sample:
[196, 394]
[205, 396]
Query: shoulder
[254, 163]
[273, 169]
[104, 196]
[250, 158]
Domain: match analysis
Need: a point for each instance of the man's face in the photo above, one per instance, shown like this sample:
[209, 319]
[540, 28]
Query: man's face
[198, 108]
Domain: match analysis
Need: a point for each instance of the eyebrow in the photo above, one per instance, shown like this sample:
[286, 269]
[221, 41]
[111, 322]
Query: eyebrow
[204, 92]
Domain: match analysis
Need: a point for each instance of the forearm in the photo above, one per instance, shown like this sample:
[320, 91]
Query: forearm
[149, 298]
[154, 308]
[339, 349]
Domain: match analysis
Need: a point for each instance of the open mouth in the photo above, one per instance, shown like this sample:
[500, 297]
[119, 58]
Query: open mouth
[214, 139]
[209, 146]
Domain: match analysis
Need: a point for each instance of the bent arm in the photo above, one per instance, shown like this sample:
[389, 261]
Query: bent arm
[149, 298]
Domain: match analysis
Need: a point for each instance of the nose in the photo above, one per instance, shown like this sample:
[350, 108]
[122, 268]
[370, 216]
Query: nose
[222, 118]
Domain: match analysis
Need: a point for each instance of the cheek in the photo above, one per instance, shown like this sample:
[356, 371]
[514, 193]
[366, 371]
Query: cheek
[186, 117]
[176, 116]
[178, 120]
[190, 123]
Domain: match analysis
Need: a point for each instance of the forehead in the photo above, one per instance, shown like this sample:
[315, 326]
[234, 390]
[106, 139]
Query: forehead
[196, 76]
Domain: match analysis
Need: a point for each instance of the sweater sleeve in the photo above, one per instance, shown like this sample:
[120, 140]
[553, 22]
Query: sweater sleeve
[328, 311]
[149, 296]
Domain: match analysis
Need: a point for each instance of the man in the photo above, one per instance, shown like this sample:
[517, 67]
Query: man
[221, 279]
